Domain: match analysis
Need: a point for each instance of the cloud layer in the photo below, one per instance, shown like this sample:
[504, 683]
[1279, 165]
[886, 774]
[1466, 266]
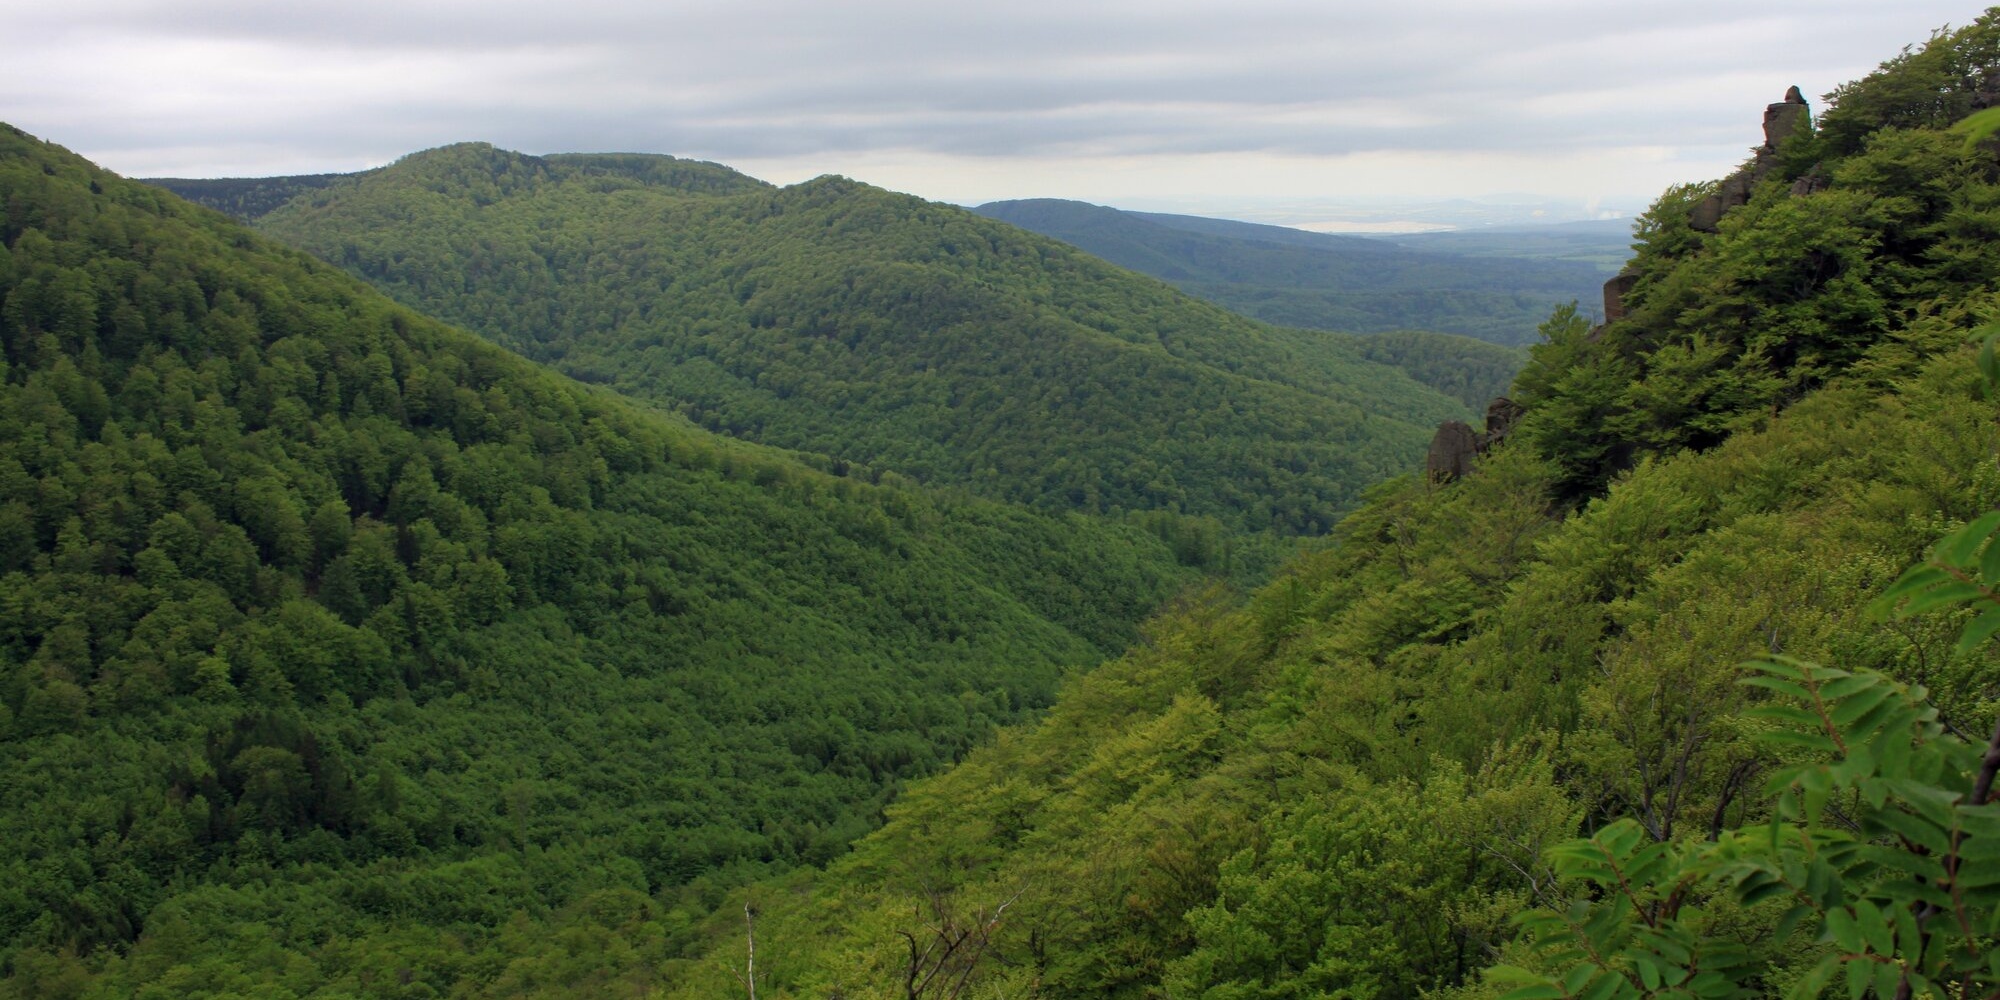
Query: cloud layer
[949, 97]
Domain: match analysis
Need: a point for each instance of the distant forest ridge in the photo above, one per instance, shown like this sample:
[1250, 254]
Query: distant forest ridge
[1494, 288]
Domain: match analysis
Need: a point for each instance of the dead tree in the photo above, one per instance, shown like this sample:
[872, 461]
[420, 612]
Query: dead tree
[945, 952]
[748, 977]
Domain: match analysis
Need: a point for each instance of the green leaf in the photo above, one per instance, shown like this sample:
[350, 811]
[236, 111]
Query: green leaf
[1763, 892]
[1979, 850]
[1981, 628]
[1989, 566]
[1952, 592]
[1977, 127]
[1874, 927]
[1793, 738]
[1857, 979]
[1606, 986]
[1915, 579]
[1778, 684]
[1538, 991]
[1649, 970]
[1790, 921]
[1888, 977]
[1841, 687]
[1959, 547]
[1577, 978]
[1842, 930]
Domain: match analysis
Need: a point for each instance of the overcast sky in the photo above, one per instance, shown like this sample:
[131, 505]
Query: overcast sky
[1195, 104]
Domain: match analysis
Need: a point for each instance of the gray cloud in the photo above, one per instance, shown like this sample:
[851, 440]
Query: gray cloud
[245, 86]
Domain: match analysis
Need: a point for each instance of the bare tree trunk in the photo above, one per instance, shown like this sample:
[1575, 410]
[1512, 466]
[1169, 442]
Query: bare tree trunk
[750, 955]
[748, 977]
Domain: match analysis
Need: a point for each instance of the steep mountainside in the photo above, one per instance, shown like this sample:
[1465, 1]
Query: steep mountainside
[1351, 785]
[1317, 281]
[876, 328]
[330, 634]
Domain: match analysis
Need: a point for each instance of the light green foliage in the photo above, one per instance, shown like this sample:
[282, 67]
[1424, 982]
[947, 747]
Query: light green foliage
[1882, 827]
[1877, 851]
[1373, 890]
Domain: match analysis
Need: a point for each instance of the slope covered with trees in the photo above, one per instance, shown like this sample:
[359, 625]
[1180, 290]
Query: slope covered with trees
[1314, 280]
[877, 328]
[1354, 784]
[337, 644]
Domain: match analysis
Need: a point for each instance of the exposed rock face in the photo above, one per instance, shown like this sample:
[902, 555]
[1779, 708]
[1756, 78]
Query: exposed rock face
[1615, 291]
[1781, 121]
[1735, 190]
[1456, 445]
[1501, 416]
[1452, 450]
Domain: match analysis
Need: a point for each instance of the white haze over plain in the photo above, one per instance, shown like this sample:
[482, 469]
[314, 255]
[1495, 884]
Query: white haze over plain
[1273, 109]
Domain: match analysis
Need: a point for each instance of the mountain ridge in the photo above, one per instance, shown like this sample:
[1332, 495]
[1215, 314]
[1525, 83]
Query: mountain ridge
[1316, 281]
[842, 319]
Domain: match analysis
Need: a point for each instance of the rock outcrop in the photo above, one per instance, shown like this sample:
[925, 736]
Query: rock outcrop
[1452, 450]
[1782, 120]
[1501, 416]
[1456, 445]
[1615, 291]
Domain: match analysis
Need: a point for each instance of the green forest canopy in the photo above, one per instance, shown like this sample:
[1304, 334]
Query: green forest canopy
[322, 621]
[880, 329]
[1346, 785]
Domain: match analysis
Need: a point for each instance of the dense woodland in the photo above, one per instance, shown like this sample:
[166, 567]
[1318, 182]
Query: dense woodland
[328, 632]
[348, 656]
[880, 329]
[1318, 281]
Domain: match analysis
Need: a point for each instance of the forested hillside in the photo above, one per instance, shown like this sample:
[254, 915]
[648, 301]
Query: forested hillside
[341, 651]
[877, 328]
[1315, 280]
[1353, 784]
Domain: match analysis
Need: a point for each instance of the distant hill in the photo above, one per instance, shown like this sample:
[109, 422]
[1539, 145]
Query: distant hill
[1316, 280]
[1238, 230]
[840, 319]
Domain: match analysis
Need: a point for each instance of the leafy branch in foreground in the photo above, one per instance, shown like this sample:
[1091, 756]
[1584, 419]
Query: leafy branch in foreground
[1883, 842]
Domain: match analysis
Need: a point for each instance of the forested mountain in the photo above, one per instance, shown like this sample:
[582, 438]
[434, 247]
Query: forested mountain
[1314, 280]
[841, 319]
[1353, 784]
[340, 649]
